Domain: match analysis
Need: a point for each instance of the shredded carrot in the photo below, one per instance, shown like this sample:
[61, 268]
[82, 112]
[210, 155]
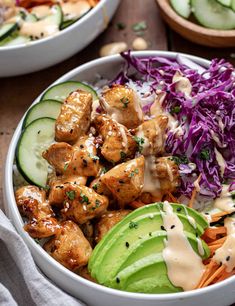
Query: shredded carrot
[218, 216]
[225, 275]
[209, 268]
[218, 241]
[213, 232]
[136, 204]
[214, 247]
[172, 198]
[194, 193]
[217, 273]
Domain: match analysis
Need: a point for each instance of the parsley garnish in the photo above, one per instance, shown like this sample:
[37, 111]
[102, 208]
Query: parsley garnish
[123, 155]
[66, 166]
[180, 159]
[95, 186]
[136, 171]
[103, 170]
[84, 199]
[175, 110]
[139, 26]
[97, 203]
[125, 101]
[205, 154]
[120, 25]
[140, 142]
[133, 225]
[70, 194]
[94, 157]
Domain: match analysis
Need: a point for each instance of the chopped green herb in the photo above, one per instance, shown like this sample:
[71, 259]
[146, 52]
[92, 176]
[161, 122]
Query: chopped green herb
[94, 157]
[139, 26]
[71, 194]
[136, 171]
[175, 110]
[95, 187]
[66, 166]
[133, 225]
[120, 25]
[123, 155]
[205, 154]
[97, 203]
[103, 170]
[140, 142]
[84, 199]
[180, 159]
[125, 101]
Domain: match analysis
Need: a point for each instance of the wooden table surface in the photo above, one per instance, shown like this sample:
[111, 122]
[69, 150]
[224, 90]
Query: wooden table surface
[17, 93]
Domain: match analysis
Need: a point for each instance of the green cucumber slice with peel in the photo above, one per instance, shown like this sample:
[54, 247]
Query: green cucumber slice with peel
[47, 108]
[61, 91]
[7, 29]
[213, 15]
[182, 7]
[35, 138]
[226, 3]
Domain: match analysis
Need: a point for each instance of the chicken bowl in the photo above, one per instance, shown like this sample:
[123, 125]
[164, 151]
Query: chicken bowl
[41, 36]
[108, 181]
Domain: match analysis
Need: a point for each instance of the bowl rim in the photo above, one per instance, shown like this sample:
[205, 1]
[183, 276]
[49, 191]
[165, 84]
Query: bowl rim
[165, 6]
[36, 250]
[90, 13]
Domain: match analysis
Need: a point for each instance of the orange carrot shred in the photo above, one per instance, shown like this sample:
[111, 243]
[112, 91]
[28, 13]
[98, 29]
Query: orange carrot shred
[194, 193]
[136, 204]
[217, 273]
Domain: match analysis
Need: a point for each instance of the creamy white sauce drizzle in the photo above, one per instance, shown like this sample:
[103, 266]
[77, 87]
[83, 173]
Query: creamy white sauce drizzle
[74, 10]
[226, 253]
[184, 266]
[182, 84]
[200, 247]
[44, 26]
[221, 162]
[225, 201]
[41, 11]
[191, 220]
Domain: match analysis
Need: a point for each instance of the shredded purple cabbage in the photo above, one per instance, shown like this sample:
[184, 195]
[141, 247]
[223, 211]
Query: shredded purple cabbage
[207, 117]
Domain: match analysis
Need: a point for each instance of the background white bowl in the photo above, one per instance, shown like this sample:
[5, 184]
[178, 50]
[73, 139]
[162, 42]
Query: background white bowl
[221, 294]
[43, 53]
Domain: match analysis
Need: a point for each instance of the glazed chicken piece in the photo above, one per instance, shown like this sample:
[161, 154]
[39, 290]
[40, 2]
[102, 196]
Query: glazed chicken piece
[57, 194]
[82, 203]
[100, 187]
[77, 160]
[74, 118]
[69, 247]
[58, 155]
[32, 204]
[125, 180]
[118, 142]
[122, 104]
[88, 231]
[107, 221]
[151, 135]
[161, 178]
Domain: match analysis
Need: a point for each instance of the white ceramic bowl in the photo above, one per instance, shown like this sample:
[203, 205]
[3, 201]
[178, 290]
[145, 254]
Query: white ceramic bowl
[221, 294]
[43, 53]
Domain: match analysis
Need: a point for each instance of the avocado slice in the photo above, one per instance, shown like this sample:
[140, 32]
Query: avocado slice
[147, 210]
[148, 275]
[152, 243]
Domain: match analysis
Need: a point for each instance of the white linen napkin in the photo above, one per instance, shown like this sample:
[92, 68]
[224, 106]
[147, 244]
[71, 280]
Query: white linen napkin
[21, 283]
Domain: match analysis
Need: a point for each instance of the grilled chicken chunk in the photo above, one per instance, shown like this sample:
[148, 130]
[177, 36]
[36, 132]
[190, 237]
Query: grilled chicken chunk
[58, 155]
[126, 180]
[122, 104]
[151, 135]
[100, 187]
[107, 221]
[74, 118]
[32, 204]
[161, 177]
[77, 160]
[69, 247]
[118, 142]
[57, 194]
[82, 203]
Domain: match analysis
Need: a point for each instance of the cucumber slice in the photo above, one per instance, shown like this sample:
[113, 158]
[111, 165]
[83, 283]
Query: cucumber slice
[61, 91]
[182, 7]
[67, 23]
[213, 15]
[233, 5]
[47, 108]
[224, 2]
[36, 137]
[6, 29]
[15, 41]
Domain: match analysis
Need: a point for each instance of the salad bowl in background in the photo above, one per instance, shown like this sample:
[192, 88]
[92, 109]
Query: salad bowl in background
[220, 294]
[195, 32]
[43, 53]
